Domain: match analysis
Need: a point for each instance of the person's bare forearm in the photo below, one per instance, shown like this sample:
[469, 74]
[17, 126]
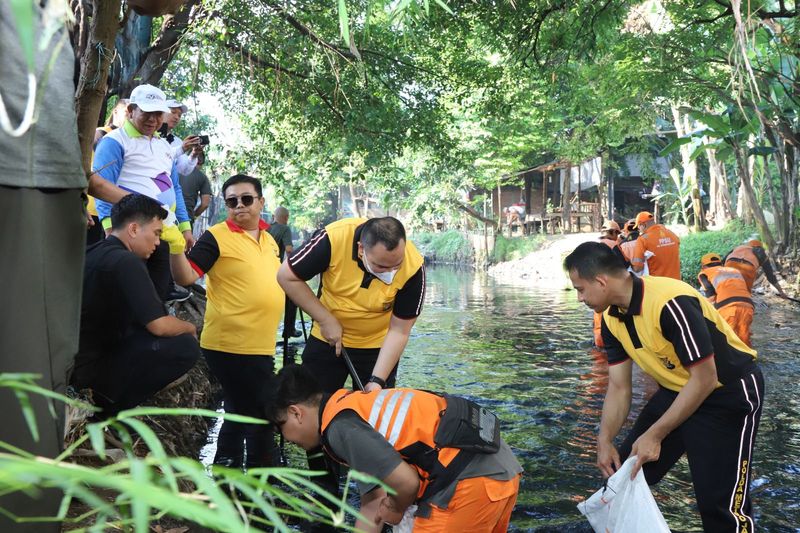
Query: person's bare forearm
[205, 200]
[615, 411]
[301, 294]
[182, 271]
[170, 326]
[105, 190]
[393, 346]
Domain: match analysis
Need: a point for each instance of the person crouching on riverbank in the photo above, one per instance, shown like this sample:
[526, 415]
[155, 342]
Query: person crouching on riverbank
[467, 480]
[726, 288]
[710, 394]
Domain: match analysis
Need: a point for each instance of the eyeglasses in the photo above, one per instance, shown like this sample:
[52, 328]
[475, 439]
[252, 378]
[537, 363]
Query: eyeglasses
[233, 201]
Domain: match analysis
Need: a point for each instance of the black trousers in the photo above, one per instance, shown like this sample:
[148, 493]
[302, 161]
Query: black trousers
[718, 441]
[140, 366]
[42, 246]
[158, 268]
[289, 318]
[243, 378]
[331, 371]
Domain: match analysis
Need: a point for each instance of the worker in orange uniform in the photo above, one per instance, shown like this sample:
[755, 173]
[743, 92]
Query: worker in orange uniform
[747, 258]
[664, 258]
[462, 476]
[609, 235]
[726, 288]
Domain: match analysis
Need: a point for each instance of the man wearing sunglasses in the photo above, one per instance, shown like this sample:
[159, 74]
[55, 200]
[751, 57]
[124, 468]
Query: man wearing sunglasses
[240, 261]
[136, 159]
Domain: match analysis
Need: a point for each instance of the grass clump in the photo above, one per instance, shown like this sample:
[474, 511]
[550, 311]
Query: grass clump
[696, 245]
[509, 249]
[445, 247]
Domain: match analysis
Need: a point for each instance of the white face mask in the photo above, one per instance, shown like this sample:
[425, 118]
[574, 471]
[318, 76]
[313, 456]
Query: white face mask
[385, 277]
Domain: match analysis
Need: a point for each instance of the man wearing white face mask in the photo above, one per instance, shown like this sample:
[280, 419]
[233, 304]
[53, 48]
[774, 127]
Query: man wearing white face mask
[373, 285]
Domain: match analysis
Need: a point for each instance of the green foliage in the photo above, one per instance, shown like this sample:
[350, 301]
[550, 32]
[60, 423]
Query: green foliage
[145, 489]
[445, 247]
[696, 245]
[509, 249]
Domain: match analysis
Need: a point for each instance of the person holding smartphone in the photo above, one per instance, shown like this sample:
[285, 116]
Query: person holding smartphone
[187, 151]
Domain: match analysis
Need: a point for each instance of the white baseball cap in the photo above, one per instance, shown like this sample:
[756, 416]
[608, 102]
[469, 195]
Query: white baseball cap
[172, 104]
[149, 99]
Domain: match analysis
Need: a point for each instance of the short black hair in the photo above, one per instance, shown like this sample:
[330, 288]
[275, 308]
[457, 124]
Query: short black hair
[385, 230]
[136, 208]
[294, 384]
[592, 258]
[242, 178]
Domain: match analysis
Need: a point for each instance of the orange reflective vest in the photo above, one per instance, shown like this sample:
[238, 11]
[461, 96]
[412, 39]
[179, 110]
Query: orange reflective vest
[665, 246]
[724, 285]
[745, 261]
[407, 419]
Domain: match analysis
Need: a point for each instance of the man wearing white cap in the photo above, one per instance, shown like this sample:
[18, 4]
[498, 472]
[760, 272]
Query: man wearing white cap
[185, 162]
[135, 158]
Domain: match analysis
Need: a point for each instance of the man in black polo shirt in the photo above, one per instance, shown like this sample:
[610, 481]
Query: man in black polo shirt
[710, 394]
[130, 348]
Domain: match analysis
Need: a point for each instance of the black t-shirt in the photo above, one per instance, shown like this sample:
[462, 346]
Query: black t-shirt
[118, 298]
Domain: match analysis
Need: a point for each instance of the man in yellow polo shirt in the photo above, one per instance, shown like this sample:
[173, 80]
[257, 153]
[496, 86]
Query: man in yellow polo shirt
[245, 303]
[710, 394]
[373, 285]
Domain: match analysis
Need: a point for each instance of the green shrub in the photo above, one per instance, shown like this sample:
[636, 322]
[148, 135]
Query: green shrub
[696, 245]
[446, 247]
[508, 249]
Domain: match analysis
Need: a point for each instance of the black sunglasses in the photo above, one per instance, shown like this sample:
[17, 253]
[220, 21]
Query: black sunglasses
[233, 201]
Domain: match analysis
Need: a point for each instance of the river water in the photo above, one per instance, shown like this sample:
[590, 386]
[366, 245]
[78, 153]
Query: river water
[525, 351]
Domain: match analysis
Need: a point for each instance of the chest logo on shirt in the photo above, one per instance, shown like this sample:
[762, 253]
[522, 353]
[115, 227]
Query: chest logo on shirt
[666, 363]
[163, 182]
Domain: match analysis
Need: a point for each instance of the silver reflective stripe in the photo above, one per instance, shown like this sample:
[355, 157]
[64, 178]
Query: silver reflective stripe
[376, 407]
[725, 276]
[401, 418]
[387, 414]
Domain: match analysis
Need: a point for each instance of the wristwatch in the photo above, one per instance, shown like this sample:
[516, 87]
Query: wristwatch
[375, 379]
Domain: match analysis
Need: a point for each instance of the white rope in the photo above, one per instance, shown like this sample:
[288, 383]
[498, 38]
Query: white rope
[27, 118]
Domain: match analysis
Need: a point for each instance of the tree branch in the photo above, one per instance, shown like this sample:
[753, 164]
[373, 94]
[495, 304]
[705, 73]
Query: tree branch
[258, 60]
[305, 30]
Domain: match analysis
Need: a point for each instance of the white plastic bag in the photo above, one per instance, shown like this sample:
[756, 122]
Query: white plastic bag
[406, 525]
[624, 506]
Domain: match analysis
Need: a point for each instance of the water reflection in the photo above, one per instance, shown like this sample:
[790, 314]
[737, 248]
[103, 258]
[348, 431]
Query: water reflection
[525, 352]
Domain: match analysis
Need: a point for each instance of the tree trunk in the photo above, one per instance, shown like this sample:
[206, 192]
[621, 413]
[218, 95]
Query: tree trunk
[777, 213]
[566, 206]
[602, 196]
[750, 195]
[354, 199]
[469, 210]
[157, 57]
[682, 128]
[719, 194]
[132, 43]
[94, 67]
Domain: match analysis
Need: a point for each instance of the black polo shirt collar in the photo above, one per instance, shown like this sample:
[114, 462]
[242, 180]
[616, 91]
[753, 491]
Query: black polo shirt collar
[635, 307]
[365, 281]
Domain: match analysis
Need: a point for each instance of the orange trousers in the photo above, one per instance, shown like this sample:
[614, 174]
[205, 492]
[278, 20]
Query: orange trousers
[739, 316]
[479, 505]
